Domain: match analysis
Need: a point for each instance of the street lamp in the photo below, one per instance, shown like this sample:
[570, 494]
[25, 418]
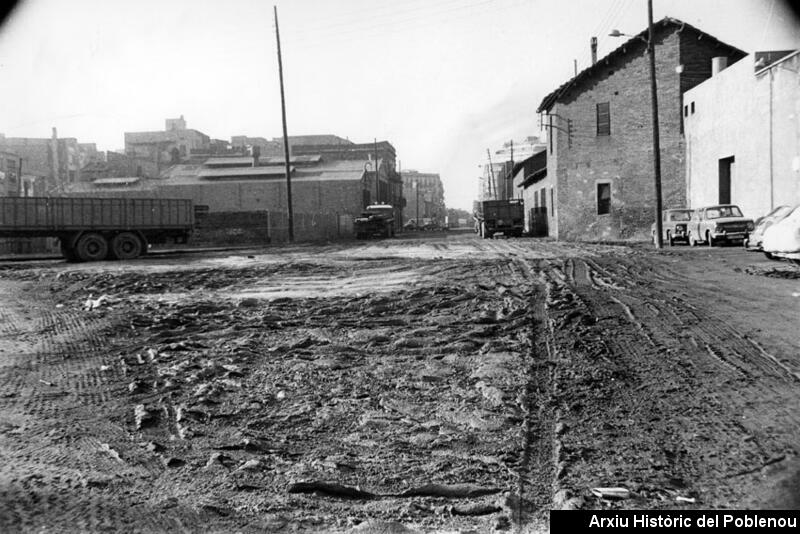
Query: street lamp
[654, 100]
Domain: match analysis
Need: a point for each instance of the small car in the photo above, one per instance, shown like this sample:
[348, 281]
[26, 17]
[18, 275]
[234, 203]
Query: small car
[753, 241]
[721, 223]
[674, 225]
[782, 239]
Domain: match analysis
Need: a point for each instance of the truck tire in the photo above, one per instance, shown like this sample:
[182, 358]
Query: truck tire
[91, 247]
[710, 240]
[126, 246]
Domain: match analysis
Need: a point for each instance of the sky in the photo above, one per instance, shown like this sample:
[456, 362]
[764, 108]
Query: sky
[442, 80]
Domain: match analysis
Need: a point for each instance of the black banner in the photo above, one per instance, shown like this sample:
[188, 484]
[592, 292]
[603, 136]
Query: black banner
[568, 521]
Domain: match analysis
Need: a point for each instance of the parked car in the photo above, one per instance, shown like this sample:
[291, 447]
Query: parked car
[782, 239]
[674, 225]
[723, 223]
[753, 241]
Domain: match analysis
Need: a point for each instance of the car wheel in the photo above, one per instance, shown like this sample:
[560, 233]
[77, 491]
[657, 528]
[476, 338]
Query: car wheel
[692, 240]
[670, 239]
[709, 239]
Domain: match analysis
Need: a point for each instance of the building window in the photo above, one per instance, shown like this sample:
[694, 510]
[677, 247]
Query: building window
[692, 108]
[543, 195]
[603, 119]
[686, 111]
[552, 204]
[603, 199]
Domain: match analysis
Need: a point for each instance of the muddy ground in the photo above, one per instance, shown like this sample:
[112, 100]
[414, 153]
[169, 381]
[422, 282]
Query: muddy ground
[442, 384]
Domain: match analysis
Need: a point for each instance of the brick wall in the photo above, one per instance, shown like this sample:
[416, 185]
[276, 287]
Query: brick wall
[624, 159]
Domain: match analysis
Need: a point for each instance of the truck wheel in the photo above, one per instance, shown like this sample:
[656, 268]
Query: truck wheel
[91, 247]
[126, 246]
[710, 239]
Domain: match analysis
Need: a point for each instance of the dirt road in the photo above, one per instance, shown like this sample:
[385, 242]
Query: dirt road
[442, 384]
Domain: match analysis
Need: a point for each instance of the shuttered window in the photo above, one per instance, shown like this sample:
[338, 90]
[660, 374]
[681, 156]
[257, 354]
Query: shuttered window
[603, 119]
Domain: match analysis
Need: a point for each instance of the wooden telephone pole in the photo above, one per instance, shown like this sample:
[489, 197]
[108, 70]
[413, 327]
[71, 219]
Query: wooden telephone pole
[285, 135]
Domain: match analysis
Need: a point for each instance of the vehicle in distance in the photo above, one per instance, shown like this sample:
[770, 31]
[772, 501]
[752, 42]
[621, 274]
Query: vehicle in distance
[92, 229]
[754, 239]
[674, 225]
[722, 223]
[782, 239]
[505, 217]
[375, 220]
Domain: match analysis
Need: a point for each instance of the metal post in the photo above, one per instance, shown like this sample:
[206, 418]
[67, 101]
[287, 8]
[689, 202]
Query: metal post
[416, 186]
[285, 135]
[656, 144]
[377, 182]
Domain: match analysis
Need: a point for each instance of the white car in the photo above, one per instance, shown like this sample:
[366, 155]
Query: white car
[782, 239]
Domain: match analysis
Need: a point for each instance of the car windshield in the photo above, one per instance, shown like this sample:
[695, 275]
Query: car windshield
[682, 215]
[723, 211]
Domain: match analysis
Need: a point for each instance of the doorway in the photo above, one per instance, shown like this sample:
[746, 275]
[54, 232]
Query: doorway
[726, 169]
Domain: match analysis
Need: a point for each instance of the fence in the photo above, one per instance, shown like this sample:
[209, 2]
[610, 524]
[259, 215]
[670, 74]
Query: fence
[264, 227]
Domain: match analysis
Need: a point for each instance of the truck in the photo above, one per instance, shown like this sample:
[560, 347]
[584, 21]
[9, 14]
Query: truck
[92, 229]
[499, 216]
[375, 220]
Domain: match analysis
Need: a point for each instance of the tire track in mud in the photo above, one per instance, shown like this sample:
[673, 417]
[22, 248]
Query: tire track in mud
[675, 339]
[59, 372]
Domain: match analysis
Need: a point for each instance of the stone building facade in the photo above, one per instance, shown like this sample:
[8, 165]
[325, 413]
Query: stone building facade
[600, 152]
[424, 194]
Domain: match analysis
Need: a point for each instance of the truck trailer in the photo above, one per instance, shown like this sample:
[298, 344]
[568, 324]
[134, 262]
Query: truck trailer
[499, 216]
[92, 229]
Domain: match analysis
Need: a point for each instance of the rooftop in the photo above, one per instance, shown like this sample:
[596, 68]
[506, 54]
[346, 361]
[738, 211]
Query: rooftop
[634, 43]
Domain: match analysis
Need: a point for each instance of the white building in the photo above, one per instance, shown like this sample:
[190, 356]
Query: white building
[742, 130]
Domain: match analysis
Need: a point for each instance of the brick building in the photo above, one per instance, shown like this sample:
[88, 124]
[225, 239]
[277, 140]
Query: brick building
[154, 152]
[246, 195]
[600, 159]
[51, 162]
[424, 194]
[743, 134]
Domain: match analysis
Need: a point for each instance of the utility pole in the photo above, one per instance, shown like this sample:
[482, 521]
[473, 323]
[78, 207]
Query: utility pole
[656, 143]
[510, 177]
[377, 182]
[492, 181]
[416, 186]
[285, 135]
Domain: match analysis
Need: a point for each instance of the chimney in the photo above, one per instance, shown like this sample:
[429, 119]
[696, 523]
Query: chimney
[593, 44]
[718, 64]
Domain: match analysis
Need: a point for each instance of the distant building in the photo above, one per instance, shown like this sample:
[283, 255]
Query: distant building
[496, 182]
[424, 196]
[54, 161]
[156, 151]
[530, 181]
[10, 183]
[743, 134]
[328, 189]
[600, 157]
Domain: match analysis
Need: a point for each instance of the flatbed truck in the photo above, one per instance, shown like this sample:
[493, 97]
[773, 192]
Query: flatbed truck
[93, 229]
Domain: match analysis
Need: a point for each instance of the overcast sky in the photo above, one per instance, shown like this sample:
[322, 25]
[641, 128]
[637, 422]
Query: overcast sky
[441, 80]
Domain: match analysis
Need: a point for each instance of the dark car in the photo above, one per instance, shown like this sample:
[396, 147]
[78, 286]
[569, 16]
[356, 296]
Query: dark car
[376, 220]
[674, 226]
